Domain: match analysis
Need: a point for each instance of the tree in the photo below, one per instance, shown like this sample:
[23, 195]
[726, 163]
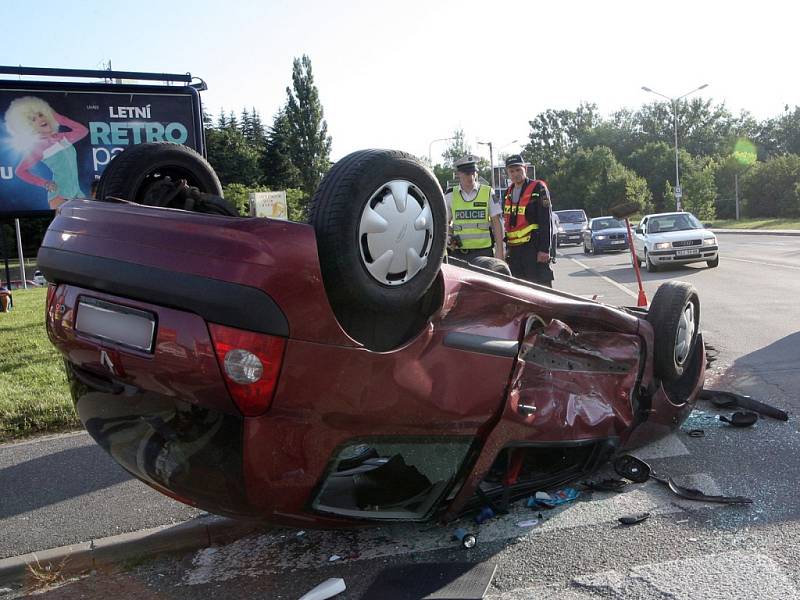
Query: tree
[308, 139]
[770, 189]
[457, 148]
[555, 134]
[594, 180]
[655, 162]
[279, 170]
[232, 157]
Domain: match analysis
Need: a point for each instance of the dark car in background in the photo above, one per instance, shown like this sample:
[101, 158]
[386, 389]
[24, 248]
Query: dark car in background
[571, 224]
[605, 234]
[337, 371]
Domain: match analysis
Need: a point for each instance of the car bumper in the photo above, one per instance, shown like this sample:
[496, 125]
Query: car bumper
[663, 257]
[610, 245]
[570, 237]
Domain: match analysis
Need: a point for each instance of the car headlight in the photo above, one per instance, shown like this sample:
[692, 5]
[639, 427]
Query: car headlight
[663, 245]
[599, 237]
[709, 241]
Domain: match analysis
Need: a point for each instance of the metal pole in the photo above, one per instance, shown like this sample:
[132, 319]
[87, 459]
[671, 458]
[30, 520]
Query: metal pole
[677, 177]
[5, 254]
[491, 164]
[736, 187]
[21, 257]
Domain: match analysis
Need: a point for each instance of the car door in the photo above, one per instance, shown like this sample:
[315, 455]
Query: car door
[639, 238]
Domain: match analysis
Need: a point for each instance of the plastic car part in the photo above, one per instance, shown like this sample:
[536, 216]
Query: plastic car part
[255, 397]
[740, 419]
[380, 221]
[675, 316]
[633, 519]
[727, 399]
[695, 494]
[632, 468]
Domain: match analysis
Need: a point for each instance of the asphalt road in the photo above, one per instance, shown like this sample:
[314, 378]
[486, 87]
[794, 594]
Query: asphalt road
[684, 550]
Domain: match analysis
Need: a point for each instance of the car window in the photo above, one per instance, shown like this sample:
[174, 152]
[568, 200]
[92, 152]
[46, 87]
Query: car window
[678, 222]
[571, 216]
[599, 224]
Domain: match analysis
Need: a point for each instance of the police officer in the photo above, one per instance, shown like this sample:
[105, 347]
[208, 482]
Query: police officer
[527, 218]
[473, 214]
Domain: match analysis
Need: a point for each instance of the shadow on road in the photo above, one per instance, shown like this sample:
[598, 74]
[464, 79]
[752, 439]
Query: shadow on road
[53, 478]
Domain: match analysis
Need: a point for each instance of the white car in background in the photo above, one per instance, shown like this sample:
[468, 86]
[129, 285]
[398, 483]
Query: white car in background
[676, 238]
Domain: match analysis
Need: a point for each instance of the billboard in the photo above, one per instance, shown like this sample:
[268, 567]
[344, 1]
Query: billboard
[269, 204]
[56, 140]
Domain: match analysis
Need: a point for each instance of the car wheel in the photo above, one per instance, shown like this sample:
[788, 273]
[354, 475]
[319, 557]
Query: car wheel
[136, 173]
[651, 266]
[380, 221]
[713, 263]
[675, 317]
[492, 264]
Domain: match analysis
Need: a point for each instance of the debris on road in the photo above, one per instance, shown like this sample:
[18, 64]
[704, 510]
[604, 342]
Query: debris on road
[334, 558]
[528, 523]
[740, 419]
[696, 433]
[633, 519]
[468, 540]
[722, 399]
[327, 589]
[484, 515]
[606, 485]
[542, 499]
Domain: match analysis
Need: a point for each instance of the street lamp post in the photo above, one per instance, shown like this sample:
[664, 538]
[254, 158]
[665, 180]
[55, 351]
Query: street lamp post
[674, 102]
[491, 157]
[430, 147]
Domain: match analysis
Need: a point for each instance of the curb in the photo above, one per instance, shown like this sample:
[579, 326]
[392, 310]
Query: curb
[74, 559]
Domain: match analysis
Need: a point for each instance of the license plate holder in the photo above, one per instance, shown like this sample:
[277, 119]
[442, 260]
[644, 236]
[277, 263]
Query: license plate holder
[687, 252]
[111, 322]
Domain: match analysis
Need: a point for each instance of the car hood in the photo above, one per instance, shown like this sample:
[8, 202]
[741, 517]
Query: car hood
[673, 236]
[610, 231]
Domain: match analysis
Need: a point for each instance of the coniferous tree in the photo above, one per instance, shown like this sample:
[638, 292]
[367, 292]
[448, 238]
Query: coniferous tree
[309, 142]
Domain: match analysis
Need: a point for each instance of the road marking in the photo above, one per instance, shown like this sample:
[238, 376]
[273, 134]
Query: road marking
[758, 262]
[601, 276]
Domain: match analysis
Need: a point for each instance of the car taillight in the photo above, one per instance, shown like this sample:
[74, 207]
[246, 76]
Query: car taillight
[250, 363]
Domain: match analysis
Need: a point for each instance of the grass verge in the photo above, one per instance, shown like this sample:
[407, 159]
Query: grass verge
[34, 397]
[757, 224]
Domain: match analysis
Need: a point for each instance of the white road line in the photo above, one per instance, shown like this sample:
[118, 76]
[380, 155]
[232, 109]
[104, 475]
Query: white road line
[608, 279]
[758, 262]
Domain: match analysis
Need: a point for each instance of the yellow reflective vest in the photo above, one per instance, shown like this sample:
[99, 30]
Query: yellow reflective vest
[471, 220]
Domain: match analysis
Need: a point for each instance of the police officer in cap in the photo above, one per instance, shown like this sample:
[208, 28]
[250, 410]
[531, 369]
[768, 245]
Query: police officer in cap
[527, 219]
[473, 214]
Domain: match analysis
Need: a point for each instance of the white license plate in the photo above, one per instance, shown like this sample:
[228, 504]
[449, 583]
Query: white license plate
[687, 252]
[617, 241]
[116, 323]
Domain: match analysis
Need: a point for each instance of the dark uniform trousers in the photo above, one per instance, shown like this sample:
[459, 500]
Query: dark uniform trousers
[523, 264]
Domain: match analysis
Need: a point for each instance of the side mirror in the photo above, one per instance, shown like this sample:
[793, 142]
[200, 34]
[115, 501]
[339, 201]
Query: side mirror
[639, 230]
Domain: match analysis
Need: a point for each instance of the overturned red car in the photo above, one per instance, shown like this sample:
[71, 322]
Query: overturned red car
[341, 370]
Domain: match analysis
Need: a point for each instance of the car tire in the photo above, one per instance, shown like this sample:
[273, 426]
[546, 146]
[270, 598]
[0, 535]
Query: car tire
[134, 171]
[380, 222]
[713, 263]
[492, 264]
[675, 316]
[651, 266]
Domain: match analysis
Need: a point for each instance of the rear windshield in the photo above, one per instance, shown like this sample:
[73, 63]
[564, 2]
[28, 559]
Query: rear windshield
[571, 216]
[598, 224]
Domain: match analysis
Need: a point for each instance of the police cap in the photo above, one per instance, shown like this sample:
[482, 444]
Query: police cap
[467, 164]
[515, 160]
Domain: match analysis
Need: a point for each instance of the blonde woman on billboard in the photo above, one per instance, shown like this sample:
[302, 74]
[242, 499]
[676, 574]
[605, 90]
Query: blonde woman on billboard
[35, 130]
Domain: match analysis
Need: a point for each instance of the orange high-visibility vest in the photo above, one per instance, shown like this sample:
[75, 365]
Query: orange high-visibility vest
[520, 232]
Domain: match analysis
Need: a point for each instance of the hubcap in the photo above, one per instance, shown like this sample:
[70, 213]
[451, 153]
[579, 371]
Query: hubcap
[685, 333]
[396, 232]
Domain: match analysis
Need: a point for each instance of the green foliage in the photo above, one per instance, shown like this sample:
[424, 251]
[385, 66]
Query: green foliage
[699, 188]
[309, 142]
[279, 170]
[458, 147]
[239, 196]
[555, 134]
[594, 180]
[34, 396]
[655, 162]
[770, 189]
[234, 159]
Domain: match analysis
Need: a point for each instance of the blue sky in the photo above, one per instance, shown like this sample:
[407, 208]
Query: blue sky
[401, 74]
